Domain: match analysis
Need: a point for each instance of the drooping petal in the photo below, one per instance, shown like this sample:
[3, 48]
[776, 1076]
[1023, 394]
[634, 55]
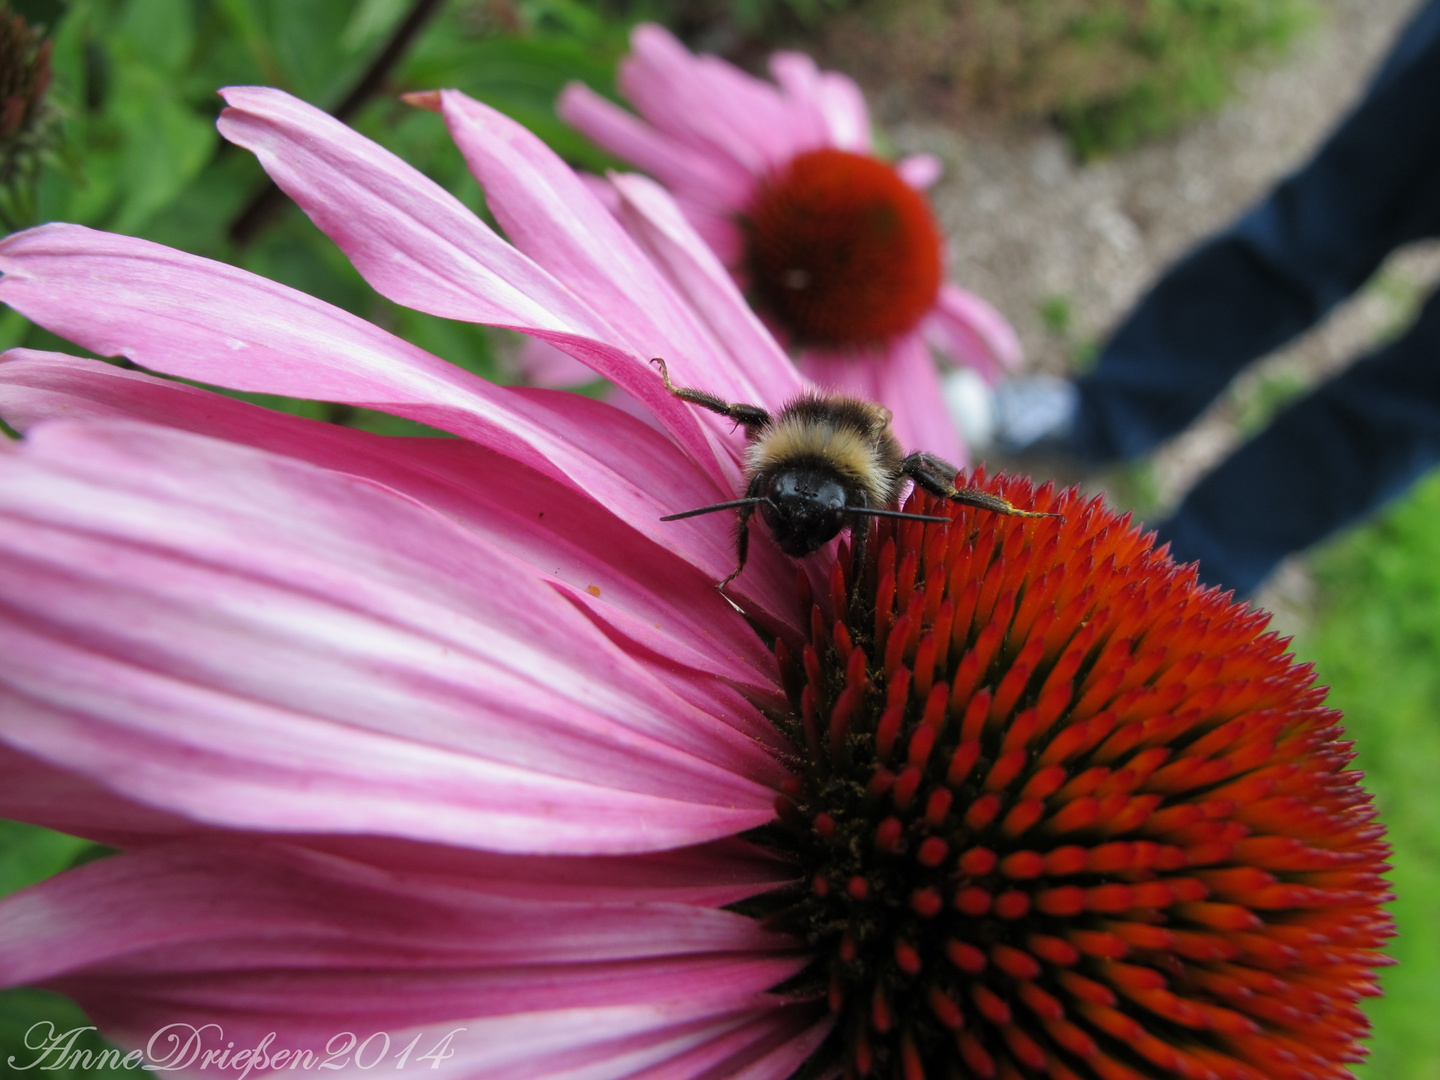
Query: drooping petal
[829, 108]
[266, 938]
[920, 171]
[771, 1045]
[628, 1043]
[541, 364]
[417, 244]
[551, 215]
[711, 875]
[843, 103]
[612, 435]
[203, 320]
[904, 378]
[635, 585]
[200, 892]
[973, 333]
[37, 792]
[759, 372]
[708, 177]
[909, 381]
[249, 640]
[719, 230]
[709, 105]
[799, 78]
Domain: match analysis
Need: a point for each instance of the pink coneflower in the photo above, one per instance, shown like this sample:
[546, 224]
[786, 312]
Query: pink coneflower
[409, 736]
[836, 247]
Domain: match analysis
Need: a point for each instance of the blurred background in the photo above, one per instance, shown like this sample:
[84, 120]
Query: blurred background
[1087, 143]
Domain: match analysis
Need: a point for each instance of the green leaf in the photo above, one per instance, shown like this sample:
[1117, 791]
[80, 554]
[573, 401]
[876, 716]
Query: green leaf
[168, 145]
[157, 33]
[29, 854]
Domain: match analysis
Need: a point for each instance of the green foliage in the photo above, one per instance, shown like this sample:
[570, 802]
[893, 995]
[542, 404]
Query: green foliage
[1109, 72]
[1159, 63]
[760, 19]
[1376, 642]
[1057, 314]
[135, 84]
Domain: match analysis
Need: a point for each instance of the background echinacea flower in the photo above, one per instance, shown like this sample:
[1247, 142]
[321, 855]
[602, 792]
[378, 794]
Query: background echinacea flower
[404, 736]
[837, 248]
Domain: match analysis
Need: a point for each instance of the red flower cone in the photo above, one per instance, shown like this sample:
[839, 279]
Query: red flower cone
[1063, 813]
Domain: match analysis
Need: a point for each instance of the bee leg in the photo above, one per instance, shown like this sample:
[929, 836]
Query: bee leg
[935, 476]
[751, 417]
[742, 546]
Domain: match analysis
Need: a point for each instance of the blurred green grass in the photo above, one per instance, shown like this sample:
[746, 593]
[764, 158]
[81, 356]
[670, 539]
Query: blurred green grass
[1109, 73]
[1375, 640]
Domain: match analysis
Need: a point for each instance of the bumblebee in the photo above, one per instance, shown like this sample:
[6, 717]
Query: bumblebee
[820, 463]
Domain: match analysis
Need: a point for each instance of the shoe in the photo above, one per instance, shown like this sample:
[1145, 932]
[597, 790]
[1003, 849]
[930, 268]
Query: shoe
[1034, 415]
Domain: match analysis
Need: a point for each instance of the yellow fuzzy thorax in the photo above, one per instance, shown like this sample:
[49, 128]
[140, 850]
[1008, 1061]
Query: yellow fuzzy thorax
[853, 454]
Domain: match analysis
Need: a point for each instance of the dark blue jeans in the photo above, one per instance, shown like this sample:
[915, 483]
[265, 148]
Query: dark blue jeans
[1361, 438]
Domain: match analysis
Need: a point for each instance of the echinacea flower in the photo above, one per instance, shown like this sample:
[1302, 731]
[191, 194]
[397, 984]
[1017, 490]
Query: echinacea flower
[838, 248]
[449, 749]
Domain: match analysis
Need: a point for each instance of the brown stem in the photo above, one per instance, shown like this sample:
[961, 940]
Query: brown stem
[263, 206]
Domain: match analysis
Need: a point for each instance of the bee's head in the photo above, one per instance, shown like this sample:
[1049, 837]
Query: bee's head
[805, 508]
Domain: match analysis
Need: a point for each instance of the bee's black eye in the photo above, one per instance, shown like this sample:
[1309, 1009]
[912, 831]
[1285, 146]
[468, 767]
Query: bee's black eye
[805, 508]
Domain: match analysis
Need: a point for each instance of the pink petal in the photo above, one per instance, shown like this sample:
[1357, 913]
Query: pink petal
[709, 178]
[800, 79]
[416, 244]
[41, 794]
[542, 364]
[601, 189]
[251, 641]
[767, 587]
[549, 213]
[920, 171]
[848, 117]
[719, 230]
[768, 1046]
[759, 370]
[904, 379]
[270, 938]
[973, 333]
[707, 104]
[207, 321]
[710, 875]
[635, 585]
[175, 900]
[201, 319]
[909, 383]
[633, 1044]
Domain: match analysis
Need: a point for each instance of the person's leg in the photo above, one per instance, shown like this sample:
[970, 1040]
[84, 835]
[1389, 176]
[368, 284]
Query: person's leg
[1329, 460]
[1374, 184]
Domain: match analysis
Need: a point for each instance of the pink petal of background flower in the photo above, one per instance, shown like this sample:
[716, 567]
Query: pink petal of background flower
[711, 133]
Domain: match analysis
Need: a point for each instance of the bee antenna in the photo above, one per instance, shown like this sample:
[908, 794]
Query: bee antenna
[718, 506]
[898, 514]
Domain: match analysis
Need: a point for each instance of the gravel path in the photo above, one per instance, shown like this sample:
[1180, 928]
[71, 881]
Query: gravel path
[1033, 229]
